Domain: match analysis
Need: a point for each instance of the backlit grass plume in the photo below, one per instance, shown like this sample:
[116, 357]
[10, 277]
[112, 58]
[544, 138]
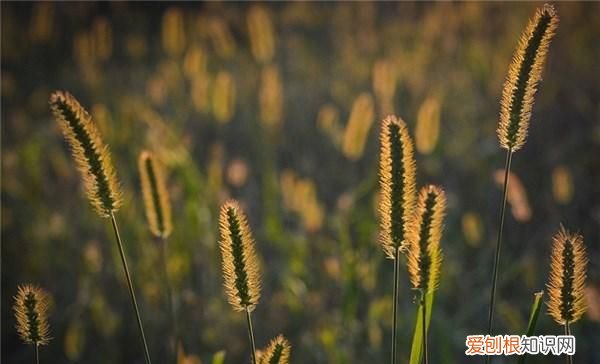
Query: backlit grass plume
[90, 153]
[240, 264]
[156, 197]
[31, 313]
[566, 281]
[523, 77]
[278, 352]
[424, 252]
[518, 94]
[397, 172]
[93, 161]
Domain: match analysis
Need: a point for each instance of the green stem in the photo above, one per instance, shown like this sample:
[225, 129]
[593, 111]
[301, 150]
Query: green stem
[568, 332]
[498, 248]
[424, 316]
[170, 306]
[130, 285]
[251, 336]
[36, 348]
[395, 304]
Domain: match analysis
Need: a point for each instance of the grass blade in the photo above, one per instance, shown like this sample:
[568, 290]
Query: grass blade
[416, 350]
[533, 317]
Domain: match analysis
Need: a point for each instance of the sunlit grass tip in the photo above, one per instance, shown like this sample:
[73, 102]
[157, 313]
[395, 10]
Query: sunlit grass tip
[31, 313]
[523, 77]
[397, 174]
[91, 155]
[566, 281]
[240, 263]
[156, 197]
[278, 352]
[424, 252]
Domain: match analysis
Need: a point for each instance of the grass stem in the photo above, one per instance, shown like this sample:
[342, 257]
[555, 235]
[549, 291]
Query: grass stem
[251, 336]
[130, 285]
[568, 332]
[424, 317]
[36, 348]
[174, 336]
[498, 248]
[395, 304]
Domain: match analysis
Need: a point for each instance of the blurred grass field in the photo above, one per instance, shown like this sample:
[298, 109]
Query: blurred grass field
[278, 105]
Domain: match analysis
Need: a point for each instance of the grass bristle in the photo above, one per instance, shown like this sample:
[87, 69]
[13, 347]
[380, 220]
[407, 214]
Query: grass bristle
[397, 173]
[31, 313]
[523, 77]
[91, 155]
[240, 264]
[156, 197]
[424, 252]
[566, 281]
[278, 352]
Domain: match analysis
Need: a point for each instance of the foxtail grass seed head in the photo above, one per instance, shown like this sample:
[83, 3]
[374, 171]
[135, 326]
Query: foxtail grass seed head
[397, 172]
[424, 252]
[240, 264]
[31, 313]
[278, 352]
[156, 197]
[524, 74]
[566, 281]
[91, 155]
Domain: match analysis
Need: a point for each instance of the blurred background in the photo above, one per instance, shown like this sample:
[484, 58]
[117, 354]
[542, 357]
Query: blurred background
[279, 105]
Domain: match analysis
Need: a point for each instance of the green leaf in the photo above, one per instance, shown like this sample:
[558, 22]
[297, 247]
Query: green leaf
[417, 342]
[533, 317]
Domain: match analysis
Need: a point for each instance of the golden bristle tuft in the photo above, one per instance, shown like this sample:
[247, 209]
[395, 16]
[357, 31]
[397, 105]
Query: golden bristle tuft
[240, 264]
[278, 352]
[566, 280]
[524, 74]
[91, 155]
[425, 233]
[31, 313]
[397, 170]
[156, 197]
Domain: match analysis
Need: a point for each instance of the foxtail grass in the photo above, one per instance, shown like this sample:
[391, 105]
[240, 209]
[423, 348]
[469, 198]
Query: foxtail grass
[31, 314]
[424, 252]
[566, 280]
[518, 94]
[158, 214]
[397, 171]
[93, 161]
[278, 352]
[240, 264]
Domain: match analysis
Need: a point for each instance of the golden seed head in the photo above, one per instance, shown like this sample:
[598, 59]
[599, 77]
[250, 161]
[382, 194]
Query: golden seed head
[240, 264]
[31, 313]
[397, 174]
[566, 280]
[156, 197]
[523, 77]
[91, 155]
[261, 32]
[424, 252]
[278, 352]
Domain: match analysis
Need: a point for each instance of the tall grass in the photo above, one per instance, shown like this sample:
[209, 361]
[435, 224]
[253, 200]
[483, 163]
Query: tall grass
[521, 84]
[240, 265]
[158, 214]
[93, 161]
[566, 280]
[424, 252]
[31, 313]
[397, 201]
